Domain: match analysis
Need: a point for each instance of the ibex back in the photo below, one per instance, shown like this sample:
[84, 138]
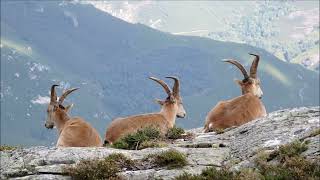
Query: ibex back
[73, 132]
[170, 109]
[242, 109]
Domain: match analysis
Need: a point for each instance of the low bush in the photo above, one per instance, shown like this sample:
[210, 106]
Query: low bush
[138, 140]
[284, 164]
[175, 133]
[170, 159]
[99, 168]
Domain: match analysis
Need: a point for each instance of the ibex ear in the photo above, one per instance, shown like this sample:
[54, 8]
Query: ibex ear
[172, 99]
[239, 82]
[159, 102]
[67, 108]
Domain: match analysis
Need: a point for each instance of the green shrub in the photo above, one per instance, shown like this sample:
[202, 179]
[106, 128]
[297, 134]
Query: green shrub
[152, 144]
[293, 149]
[213, 173]
[289, 163]
[175, 133]
[135, 140]
[170, 159]
[208, 174]
[283, 164]
[99, 169]
[188, 176]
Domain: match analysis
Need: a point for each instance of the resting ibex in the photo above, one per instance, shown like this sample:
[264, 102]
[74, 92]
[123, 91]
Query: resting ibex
[73, 132]
[242, 109]
[170, 109]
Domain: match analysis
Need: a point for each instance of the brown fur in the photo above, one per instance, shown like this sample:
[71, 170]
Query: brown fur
[242, 109]
[165, 119]
[73, 132]
[235, 112]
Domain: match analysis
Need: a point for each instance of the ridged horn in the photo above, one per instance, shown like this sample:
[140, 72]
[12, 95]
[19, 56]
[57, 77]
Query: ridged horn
[242, 69]
[254, 66]
[65, 94]
[53, 95]
[176, 86]
[163, 84]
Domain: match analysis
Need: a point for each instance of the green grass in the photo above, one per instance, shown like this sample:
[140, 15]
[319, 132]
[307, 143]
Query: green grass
[100, 169]
[286, 163]
[169, 159]
[149, 137]
[175, 133]
[139, 139]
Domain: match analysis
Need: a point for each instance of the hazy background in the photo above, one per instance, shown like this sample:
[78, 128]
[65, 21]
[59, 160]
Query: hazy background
[108, 49]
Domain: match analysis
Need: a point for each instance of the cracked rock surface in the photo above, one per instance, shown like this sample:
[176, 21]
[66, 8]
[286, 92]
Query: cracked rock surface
[239, 145]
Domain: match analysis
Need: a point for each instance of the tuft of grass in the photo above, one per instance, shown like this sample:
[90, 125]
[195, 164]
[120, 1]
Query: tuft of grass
[248, 174]
[219, 130]
[138, 140]
[152, 144]
[288, 163]
[175, 133]
[208, 173]
[315, 132]
[100, 169]
[188, 176]
[7, 148]
[292, 150]
[283, 164]
[170, 159]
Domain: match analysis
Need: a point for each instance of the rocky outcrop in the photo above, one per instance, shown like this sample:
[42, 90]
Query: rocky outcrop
[235, 147]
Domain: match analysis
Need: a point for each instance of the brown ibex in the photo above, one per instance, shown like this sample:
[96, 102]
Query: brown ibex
[73, 131]
[170, 109]
[242, 109]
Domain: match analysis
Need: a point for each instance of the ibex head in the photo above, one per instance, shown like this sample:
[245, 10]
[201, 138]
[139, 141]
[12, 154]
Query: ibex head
[250, 83]
[174, 99]
[56, 111]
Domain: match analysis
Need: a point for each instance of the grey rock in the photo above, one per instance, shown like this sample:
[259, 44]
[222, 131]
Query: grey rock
[236, 147]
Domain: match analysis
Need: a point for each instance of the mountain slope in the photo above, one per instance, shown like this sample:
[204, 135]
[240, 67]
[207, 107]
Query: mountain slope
[284, 28]
[79, 46]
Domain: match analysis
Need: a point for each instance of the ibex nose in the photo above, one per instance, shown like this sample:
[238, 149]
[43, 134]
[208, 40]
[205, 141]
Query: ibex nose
[48, 126]
[181, 115]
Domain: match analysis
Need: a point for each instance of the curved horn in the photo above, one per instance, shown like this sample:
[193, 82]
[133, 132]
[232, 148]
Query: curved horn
[254, 66]
[242, 69]
[53, 95]
[65, 94]
[163, 84]
[176, 86]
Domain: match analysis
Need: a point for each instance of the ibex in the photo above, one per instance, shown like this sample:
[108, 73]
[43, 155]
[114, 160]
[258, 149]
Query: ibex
[170, 109]
[73, 131]
[242, 109]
